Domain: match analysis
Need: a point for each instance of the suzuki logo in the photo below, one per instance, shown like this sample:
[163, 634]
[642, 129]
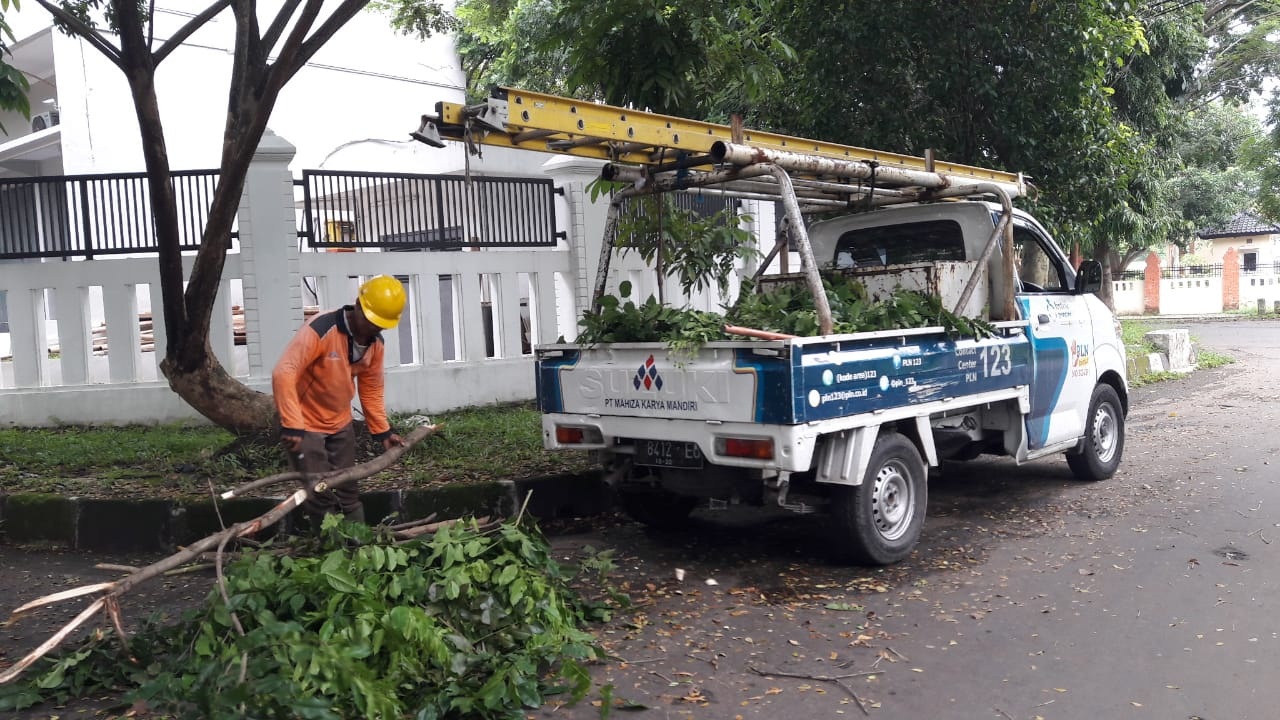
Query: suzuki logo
[647, 376]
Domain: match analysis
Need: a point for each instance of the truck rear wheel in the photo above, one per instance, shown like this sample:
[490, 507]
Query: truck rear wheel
[657, 509]
[1099, 454]
[879, 521]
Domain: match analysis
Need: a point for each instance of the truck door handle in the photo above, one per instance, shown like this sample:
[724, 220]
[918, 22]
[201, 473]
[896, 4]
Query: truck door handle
[1043, 319]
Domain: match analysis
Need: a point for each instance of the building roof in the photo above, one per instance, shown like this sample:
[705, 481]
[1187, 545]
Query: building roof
[1244, 224]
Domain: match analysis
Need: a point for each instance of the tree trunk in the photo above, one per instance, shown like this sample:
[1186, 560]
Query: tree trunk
[194, 373]
[219, 397]
[1103, 254]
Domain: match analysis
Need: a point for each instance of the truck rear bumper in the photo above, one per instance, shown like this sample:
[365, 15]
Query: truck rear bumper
[793, 446]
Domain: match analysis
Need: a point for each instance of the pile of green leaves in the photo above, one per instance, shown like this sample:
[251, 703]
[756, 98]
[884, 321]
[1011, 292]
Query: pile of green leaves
[790, 309]
[651, 321]
[466, 623]
[787, 308]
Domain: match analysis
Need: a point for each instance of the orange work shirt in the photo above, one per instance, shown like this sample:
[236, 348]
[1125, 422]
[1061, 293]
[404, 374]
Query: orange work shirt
[316, 379]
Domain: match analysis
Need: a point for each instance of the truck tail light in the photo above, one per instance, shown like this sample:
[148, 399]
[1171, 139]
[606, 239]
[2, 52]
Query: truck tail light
[754, 448]
[574, 435]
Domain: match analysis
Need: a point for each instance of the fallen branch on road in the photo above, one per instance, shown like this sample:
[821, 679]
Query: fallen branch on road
[111, 591]
[837, 679]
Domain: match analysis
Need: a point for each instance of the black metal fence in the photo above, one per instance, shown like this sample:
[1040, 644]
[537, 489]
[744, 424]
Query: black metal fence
[701, 205]
[1271, 268]
[400, 211]
[1184, 272]
[70, 216]
[1187, 272]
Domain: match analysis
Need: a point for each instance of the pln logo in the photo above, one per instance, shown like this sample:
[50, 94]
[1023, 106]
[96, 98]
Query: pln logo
[647, 376]
[1079, 354]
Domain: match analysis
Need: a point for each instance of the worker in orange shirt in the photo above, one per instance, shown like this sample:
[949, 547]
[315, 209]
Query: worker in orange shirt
[331, 358]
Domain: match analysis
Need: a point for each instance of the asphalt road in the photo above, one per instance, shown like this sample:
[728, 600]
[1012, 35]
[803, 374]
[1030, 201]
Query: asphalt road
[1032, 595]
[1151, 595]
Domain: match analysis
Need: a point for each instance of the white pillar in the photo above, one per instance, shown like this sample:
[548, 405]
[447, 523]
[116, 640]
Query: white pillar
[272, 280]
[586, 219]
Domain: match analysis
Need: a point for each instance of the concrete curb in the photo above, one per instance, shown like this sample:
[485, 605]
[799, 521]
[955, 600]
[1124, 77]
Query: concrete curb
[148, 524]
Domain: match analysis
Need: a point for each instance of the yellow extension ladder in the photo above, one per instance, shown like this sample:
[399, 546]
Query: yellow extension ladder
[658, 153]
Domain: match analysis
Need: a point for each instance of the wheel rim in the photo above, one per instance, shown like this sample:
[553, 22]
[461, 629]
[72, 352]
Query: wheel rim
[893, 501]
[1106, 435]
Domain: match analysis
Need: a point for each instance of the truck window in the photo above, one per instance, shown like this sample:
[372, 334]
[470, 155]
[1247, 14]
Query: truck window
[1038, 269]
[903, 244]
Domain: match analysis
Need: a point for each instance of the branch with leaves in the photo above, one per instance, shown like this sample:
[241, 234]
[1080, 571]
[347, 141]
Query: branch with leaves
[107, 594]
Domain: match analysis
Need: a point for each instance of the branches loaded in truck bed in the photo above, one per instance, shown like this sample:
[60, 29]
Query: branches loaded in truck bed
[786, 309]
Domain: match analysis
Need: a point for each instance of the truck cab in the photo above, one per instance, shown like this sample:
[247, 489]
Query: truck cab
[1075, 338]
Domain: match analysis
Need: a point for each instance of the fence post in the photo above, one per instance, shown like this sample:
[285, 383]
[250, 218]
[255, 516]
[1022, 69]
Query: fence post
[1151, 286]
[1230, 280]
[585, 224]
[269, 259]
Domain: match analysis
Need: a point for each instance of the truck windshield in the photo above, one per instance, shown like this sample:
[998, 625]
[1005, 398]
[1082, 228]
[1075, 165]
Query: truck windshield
[902, 244]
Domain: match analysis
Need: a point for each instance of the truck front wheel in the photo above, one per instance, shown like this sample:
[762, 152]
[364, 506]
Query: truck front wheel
[879, 521]
[1099, 453]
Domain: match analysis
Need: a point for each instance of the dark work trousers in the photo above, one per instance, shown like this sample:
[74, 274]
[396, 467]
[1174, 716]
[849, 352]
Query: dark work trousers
[320, 454]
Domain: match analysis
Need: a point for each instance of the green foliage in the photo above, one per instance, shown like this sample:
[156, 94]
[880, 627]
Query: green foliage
[1219, 150]
[617, 321]
[702, 59]
[1209, 359]
[697, 250]
[417, 18]
[785, 309]
[600, 187]
[1242, 52]
[13, 84]
[462, 624]
[789, 309]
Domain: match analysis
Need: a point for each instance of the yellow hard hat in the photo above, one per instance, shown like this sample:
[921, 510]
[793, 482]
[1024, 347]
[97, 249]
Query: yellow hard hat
[381, 299]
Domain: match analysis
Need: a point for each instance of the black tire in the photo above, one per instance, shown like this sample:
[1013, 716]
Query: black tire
[657, 509]
[1103, 445]
[880, 521]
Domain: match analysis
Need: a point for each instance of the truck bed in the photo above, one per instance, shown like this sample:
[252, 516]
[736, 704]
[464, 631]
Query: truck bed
[778, 382]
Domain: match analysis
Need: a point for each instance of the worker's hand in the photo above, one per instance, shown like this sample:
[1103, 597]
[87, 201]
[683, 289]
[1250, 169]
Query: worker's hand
[393, 440]
[292, 443]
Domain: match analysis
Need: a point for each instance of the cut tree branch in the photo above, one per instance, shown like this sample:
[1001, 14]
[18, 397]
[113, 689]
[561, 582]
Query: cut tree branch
[837, 679]
[338, 477]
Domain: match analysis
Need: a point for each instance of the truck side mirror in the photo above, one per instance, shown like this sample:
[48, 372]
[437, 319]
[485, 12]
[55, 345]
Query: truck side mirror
[1088, 277]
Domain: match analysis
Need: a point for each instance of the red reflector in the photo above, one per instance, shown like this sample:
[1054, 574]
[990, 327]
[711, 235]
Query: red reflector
[742, 447]
[569, 435]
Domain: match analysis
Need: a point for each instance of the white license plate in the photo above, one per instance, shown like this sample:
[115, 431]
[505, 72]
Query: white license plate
[668, 453]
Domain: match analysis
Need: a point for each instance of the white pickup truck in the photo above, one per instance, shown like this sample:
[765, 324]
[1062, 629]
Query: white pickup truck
[848, 423]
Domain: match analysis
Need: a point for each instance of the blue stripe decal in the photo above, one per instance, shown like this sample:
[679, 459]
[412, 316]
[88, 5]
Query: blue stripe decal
[772, 400]
[547, 379]
[1049, 368]
[1050, 360]
[835, 382]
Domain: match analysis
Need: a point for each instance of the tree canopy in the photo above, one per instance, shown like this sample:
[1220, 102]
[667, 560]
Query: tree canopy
[1090, 99]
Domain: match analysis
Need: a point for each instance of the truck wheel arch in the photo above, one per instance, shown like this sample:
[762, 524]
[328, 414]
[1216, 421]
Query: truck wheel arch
[1112, 378]
[845, 455]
